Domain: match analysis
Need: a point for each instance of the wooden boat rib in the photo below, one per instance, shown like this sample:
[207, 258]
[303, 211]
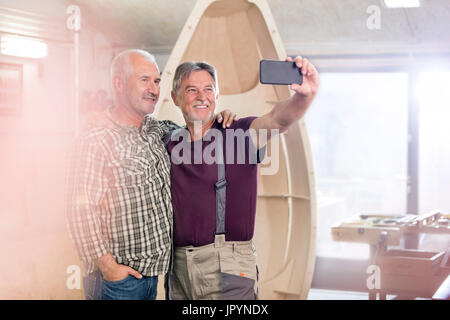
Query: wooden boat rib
[234, 35]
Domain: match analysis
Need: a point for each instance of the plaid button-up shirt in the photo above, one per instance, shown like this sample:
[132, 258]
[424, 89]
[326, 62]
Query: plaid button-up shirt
[119, 198]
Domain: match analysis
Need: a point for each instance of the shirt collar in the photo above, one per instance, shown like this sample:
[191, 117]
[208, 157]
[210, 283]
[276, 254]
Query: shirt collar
[118, 124]
[149, 125]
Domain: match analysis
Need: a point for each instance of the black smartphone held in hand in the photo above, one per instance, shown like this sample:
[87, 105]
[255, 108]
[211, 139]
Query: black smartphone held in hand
[279, 72]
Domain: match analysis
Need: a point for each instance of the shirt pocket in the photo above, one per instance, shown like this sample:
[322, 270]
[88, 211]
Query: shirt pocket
[133, 166]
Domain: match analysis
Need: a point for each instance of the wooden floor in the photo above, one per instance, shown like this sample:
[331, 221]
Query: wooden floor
[322, 294]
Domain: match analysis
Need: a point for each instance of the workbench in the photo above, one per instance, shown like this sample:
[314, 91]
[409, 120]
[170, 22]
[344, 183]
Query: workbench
[403, 272]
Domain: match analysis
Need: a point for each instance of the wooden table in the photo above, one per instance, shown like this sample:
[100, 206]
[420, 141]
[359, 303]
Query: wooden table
[403, 272]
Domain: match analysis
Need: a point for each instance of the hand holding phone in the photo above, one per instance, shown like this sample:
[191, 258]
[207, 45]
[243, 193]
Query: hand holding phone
[279, 72]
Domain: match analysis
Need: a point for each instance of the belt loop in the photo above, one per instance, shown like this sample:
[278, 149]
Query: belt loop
[219, 240]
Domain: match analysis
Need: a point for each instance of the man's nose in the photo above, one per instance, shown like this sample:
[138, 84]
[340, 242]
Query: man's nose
[201, 95]
[152, 87]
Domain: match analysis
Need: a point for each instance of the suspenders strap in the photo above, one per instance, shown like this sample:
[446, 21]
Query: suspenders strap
[220, 187]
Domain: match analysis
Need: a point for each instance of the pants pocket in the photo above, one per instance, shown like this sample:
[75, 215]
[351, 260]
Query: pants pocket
[205, 270]
[238, 273]
[237, 287]
[92, 285]
[129, 288]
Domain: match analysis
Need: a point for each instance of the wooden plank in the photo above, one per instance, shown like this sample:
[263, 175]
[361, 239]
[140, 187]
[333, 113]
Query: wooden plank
[244, 50]
[428, 218]
[417, 286]
[284, 196]
[369, 235]
[410, 262]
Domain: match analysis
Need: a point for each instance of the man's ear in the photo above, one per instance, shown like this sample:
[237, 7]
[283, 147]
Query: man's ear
[174, 98]
[117, 84]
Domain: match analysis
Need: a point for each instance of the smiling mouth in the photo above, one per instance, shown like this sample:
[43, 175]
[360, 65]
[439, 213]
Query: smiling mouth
[201, 107]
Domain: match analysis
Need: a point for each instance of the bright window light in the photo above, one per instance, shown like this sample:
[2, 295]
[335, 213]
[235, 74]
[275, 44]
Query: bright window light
[23, 47]
[434, 138]
[359, 152]
[432, 90]
[402, 3]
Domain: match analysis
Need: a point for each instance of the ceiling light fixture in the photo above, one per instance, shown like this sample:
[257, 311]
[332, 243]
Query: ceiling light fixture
[23, 47]
[402, 3]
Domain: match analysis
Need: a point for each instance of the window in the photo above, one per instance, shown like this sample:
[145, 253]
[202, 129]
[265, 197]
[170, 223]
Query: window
[434, 141]
[358, 133]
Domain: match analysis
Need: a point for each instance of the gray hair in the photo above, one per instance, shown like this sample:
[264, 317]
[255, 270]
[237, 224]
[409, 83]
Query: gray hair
[121, 64]
[185, 69]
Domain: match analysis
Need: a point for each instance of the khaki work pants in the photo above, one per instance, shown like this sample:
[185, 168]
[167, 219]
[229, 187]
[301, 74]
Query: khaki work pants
[219, 271]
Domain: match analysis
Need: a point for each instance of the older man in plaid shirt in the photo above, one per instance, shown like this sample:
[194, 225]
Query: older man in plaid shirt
[119, 207]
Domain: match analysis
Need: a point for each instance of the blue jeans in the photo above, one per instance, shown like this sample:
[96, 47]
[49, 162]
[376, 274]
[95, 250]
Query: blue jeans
[130, 288]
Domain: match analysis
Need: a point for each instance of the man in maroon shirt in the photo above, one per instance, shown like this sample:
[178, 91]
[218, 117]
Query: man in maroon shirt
[214, 185]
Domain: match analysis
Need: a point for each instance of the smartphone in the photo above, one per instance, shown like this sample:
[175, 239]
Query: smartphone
[279, 72]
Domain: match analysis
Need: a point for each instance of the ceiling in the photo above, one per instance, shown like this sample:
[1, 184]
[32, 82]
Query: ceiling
[314, 26]
[157, 23]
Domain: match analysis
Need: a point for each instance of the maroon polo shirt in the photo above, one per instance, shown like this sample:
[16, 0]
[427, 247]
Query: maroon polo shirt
[193, 192]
